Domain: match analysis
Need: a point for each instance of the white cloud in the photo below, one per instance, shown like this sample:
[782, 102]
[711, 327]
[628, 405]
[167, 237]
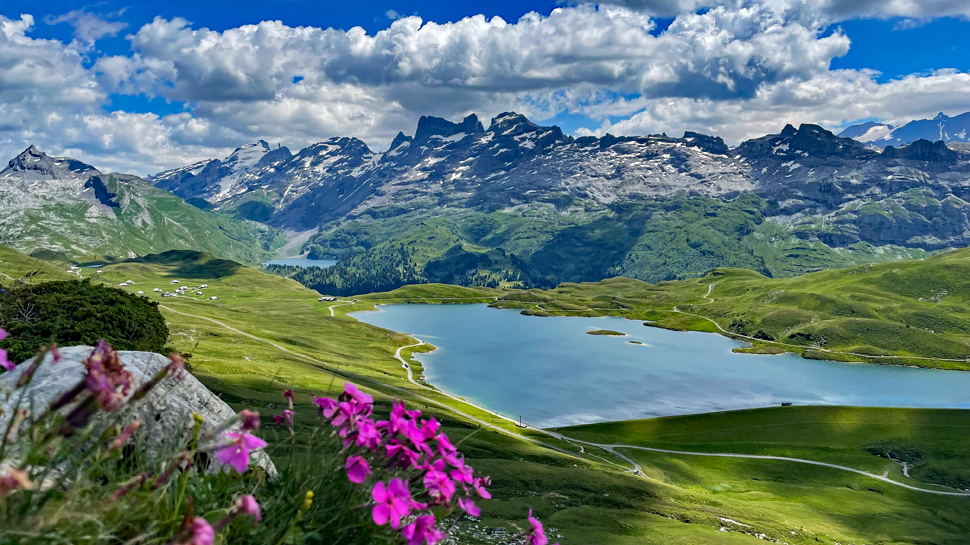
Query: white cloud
[739, 69]
[88, 27]
[830, 99]
[827, 11]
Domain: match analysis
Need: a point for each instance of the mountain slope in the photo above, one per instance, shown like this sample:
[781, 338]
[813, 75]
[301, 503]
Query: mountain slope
[909, 312]
[64, 206]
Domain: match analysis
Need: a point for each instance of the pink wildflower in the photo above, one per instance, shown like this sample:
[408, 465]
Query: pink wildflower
[198, 532]
[406, 457]
[327, 406]
[14, 479]
[468, 506]
[422, 530]
[479, 485]
[357, 469]
[105, 374]
[236, 453]
[288, 394]
[247, 505]
[367, 435]
[249, 419]
[176, 366]
[4, 362]
[3, 334]
[55, 353]
[351, 392]
[438, 483]
[463, 473]
[393, 503]
[287, 417]
[537, 535]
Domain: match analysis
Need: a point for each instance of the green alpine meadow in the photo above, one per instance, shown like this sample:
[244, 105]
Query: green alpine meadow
[616, 272]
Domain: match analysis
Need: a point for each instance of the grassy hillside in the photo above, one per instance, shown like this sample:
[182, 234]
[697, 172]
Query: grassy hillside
[909, 312]
[541, 246]
[583, 497]
[143, 220]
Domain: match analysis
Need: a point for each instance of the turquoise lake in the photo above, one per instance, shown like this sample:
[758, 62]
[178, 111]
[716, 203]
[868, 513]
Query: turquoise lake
[303, 262]
[551, 373]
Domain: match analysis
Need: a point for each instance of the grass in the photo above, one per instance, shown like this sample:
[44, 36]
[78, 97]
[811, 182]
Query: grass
[606, 332]
[906, 313]
[585, 498]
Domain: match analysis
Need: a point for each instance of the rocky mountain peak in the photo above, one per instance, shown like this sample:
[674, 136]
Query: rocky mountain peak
[511, 123]
[789, 130]
[429, 126]
[939, 117]
[34, 162]
[923, 150]
[398, 141]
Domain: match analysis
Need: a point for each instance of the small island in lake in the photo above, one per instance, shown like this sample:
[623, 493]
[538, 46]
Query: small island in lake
[606, 332]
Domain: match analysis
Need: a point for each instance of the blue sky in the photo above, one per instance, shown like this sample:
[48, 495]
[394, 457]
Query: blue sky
[136, 88]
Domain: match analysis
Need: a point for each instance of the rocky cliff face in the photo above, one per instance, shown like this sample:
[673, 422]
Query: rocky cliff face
[837, 190]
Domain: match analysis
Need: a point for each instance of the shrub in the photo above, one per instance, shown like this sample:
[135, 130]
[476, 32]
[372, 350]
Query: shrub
[78, 312]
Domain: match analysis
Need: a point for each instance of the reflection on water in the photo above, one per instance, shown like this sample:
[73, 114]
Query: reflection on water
[549, 372]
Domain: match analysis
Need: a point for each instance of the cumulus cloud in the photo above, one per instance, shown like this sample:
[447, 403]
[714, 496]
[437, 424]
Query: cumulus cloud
[739, 68]
[829, 99]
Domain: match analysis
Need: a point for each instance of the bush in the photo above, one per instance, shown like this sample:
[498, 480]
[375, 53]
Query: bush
[78, 312]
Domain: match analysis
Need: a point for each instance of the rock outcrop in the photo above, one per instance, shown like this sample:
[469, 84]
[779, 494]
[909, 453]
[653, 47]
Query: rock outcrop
[166, 411]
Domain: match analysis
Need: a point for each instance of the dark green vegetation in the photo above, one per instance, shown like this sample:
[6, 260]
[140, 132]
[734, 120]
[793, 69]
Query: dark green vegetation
[605, 332]
[78, 312]
[908, 312]
[584, 497]
[542, 245]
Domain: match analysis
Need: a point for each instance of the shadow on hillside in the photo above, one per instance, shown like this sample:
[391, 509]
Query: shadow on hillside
[191, 264]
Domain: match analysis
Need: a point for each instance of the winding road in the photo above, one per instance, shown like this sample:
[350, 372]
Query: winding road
[636, 468]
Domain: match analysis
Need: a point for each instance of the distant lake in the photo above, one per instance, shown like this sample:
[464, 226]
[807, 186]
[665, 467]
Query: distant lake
[303, 262]
[551, 373]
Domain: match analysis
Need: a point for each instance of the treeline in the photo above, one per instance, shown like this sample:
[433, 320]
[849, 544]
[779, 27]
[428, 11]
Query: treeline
[385, 269]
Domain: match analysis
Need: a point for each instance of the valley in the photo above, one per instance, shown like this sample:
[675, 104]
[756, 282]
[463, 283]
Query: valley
[265, 333]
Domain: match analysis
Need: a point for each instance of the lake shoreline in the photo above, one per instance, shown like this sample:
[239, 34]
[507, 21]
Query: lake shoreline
[482, 393]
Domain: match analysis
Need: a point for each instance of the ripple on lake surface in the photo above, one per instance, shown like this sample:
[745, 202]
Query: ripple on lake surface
[549, 372]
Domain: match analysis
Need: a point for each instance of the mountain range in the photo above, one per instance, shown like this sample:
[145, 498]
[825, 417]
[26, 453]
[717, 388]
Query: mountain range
[515, 203]
[61, 207]
[940, 128]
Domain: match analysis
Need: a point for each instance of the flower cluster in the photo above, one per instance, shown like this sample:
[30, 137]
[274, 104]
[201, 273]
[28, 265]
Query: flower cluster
[423, 455]
[4, 362]
[105, 375]
[105, 387]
